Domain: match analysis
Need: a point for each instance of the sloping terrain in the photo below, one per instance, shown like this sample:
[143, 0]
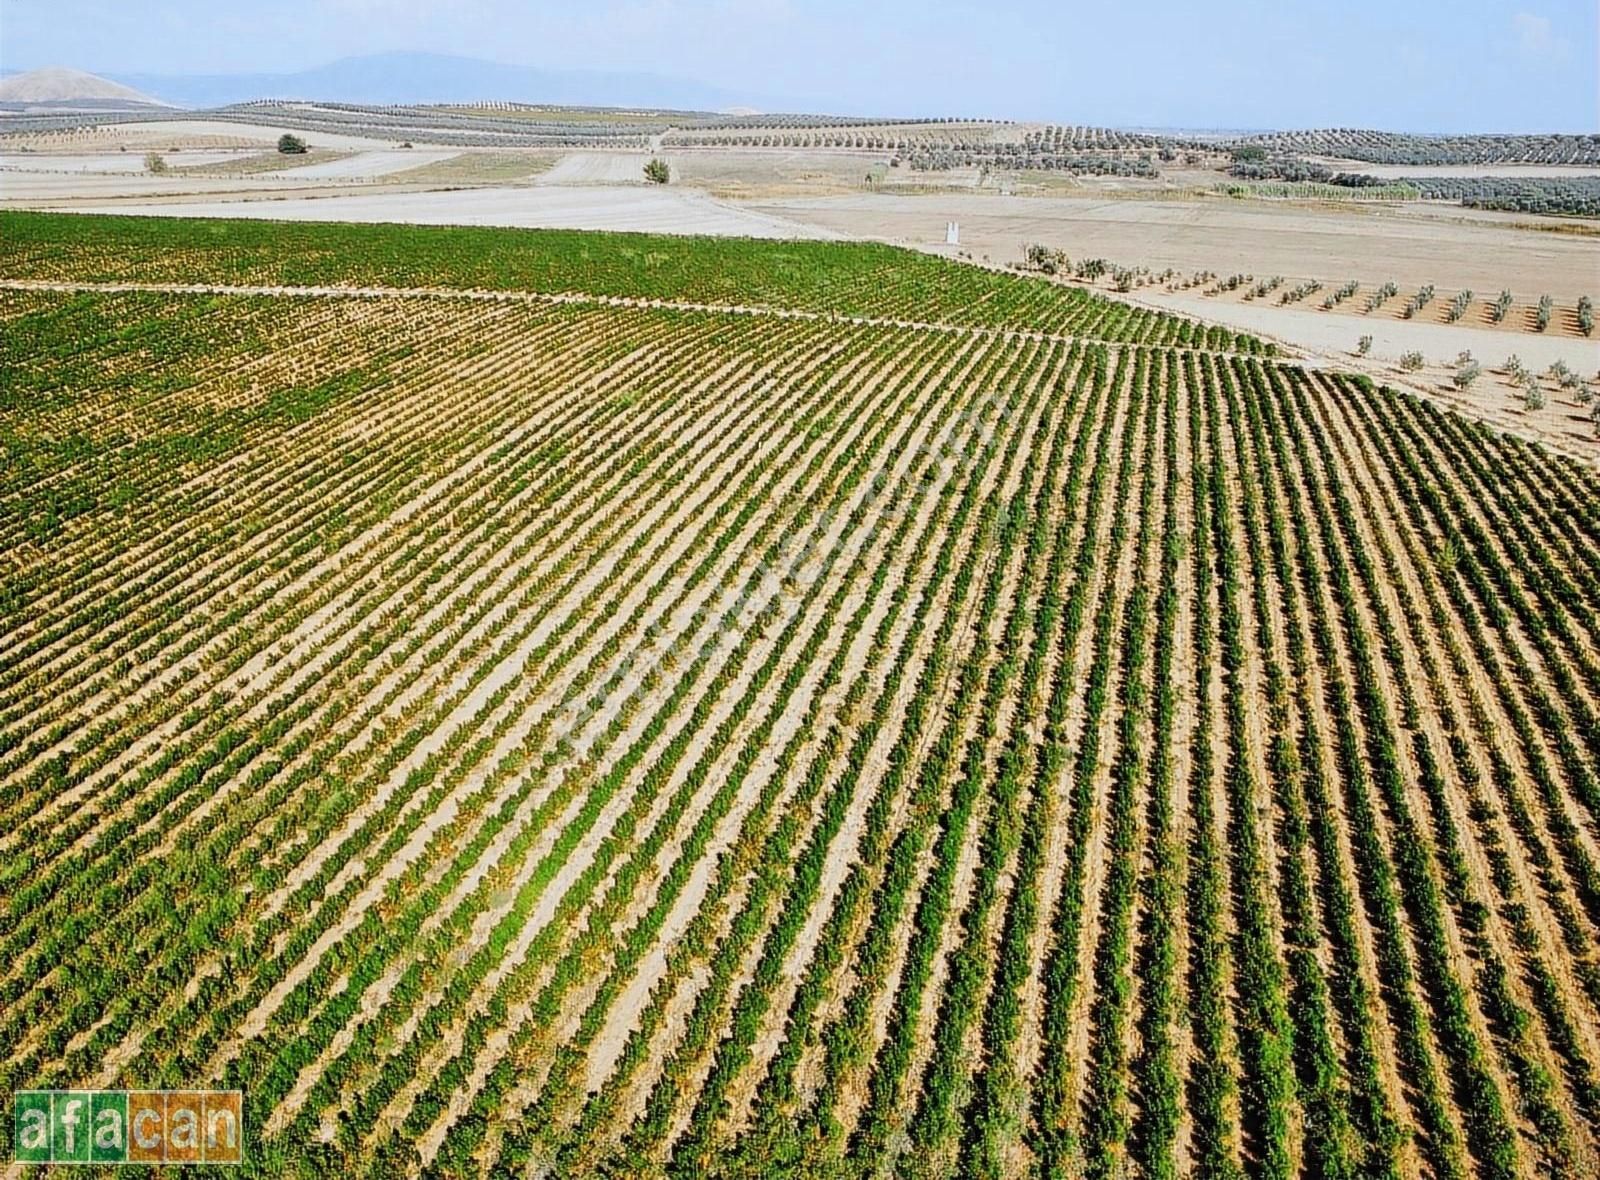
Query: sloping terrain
[57, 84]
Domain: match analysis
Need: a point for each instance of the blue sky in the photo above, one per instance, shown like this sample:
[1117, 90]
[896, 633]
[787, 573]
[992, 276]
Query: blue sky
[1424, 65]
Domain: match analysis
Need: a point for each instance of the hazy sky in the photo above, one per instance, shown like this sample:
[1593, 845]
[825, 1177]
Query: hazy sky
[1427, 65]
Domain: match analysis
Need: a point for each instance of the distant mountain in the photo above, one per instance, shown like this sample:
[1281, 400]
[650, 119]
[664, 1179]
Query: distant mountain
[57, 85]
[432, 77]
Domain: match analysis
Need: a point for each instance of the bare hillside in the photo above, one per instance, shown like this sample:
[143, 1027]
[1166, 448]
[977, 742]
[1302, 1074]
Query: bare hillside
[59, 84]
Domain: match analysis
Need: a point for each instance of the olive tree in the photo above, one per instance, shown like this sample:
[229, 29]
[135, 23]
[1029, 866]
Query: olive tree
[1042, 258]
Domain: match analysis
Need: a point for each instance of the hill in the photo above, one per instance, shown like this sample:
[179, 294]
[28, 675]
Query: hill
[55, 85]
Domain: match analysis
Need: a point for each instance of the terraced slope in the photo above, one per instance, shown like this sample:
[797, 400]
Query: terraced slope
[987, 736]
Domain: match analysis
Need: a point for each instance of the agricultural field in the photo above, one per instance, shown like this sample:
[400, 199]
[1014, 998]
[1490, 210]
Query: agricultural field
[552, 703]
[1389, 147]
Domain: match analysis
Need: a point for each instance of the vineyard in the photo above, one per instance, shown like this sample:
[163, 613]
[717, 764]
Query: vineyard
[531, 703]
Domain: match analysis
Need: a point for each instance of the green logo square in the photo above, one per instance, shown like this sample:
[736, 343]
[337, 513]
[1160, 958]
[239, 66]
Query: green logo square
[30, 1127]
[69, 1125]
[108, 1143]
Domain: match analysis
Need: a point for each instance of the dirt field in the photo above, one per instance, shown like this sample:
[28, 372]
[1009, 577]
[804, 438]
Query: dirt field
[597, 168]
[1409, 245]
[42, 189]
[115, 163]
[29, 179]
[368, 164]
[754, 174]
[179, 133]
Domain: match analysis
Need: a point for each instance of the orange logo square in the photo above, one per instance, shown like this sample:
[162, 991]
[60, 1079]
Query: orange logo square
[147, 1126]
[185, 1126]
[223, 1127]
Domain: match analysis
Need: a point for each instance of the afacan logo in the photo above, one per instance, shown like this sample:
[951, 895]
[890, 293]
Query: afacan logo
[128, 1126]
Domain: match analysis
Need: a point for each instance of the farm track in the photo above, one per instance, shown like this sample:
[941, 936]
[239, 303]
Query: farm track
[507, 732]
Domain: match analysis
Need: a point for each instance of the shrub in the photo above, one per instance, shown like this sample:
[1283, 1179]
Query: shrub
[1382, 295]
[291, 145]
[1364, 346]
[1419, 301]
[1541, 317]
[1339, 296]
[1265, 287]
[155, 162]
[1411, 362]
[1042, 258]
[1466, 374]
[657, 170]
